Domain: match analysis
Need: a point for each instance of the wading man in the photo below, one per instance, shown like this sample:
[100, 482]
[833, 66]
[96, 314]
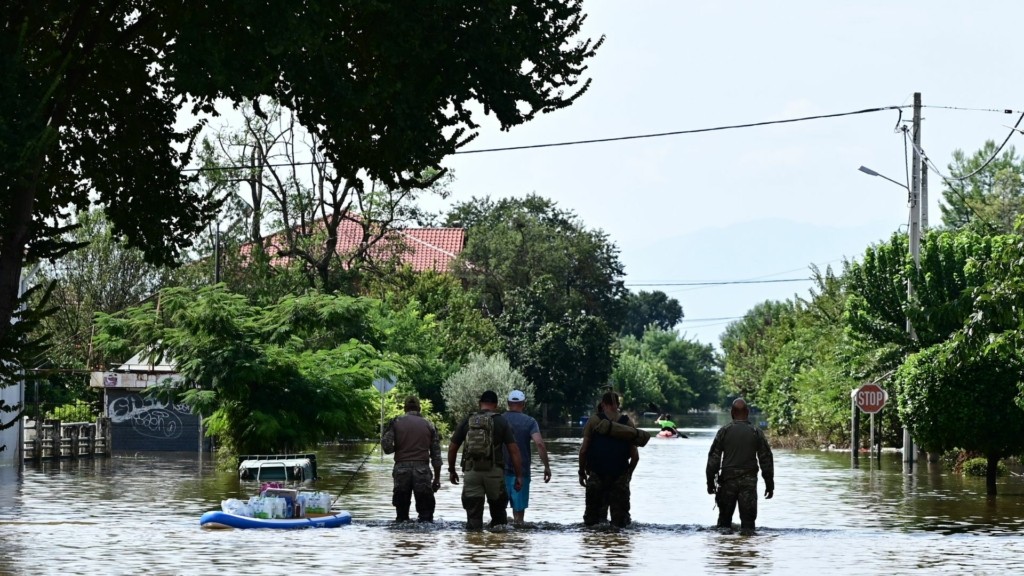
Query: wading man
[733, 461]
[416, 448]
[483, 434]
[607, 462]
[525, 429]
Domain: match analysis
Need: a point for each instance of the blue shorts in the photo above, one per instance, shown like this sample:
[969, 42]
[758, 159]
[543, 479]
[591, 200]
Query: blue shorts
[521, 499]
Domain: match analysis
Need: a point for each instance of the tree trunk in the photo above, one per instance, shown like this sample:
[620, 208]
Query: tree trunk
[990, 474]
[12, 258]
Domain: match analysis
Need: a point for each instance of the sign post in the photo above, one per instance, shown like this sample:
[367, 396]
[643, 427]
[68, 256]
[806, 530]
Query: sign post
[870, 398]
[383, 385]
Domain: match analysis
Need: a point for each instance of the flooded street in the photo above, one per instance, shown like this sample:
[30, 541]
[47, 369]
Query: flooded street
[131, 515]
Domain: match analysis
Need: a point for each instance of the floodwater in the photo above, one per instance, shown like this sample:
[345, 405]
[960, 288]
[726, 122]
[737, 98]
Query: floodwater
[140, 514]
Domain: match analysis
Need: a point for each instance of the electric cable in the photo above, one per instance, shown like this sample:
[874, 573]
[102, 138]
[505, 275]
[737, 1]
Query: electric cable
[591, 141]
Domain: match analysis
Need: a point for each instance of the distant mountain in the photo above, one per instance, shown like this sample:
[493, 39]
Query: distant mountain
[769, 249]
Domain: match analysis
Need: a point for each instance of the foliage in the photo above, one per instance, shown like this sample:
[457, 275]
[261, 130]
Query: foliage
[93, 92]
[553, 287]
[103, 276]
[566, 358]
[462, 389]
[79, 411]
[979, 467]
[698, 367]
[951, 398]
[276, 378]
[991, 197]
[637, 379]
[644, 309]
[517, 243]
[461, 326]
[394, 406]
[290, 188]
[751, 345]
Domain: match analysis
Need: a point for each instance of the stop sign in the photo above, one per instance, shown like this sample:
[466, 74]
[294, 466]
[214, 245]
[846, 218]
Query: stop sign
[870, 398]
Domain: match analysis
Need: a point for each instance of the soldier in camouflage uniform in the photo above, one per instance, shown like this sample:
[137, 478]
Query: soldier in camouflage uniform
[732, 468]
[606, 466]
[417, 447]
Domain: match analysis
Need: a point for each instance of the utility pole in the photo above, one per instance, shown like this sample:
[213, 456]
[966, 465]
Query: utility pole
[915, 244]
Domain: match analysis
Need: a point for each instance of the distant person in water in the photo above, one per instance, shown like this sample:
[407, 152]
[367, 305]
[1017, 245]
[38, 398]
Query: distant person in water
[732, 467]
[667, 425]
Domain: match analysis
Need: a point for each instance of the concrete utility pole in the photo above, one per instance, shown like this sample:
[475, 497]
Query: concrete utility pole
[915, 242]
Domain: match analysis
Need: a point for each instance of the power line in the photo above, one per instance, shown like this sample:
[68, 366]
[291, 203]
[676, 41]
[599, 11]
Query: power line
[962, 108]
[685, 319]
[592, 141]
[681, 132]
[721, 283]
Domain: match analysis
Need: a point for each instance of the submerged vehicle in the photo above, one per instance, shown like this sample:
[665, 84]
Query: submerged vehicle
[297, 468]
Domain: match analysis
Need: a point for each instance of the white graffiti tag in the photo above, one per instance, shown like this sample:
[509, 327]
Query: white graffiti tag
[148, 416]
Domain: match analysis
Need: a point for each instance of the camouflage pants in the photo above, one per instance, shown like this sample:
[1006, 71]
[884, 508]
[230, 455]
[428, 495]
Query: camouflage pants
[413, 478]
[479, 486]
[741, 490]
[604, 494]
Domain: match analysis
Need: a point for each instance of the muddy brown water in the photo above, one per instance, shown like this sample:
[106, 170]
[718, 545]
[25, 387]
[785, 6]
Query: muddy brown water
[140, 514]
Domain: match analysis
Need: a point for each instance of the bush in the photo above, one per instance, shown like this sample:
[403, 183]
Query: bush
[979, 467]
[461, 391]
[80, 411]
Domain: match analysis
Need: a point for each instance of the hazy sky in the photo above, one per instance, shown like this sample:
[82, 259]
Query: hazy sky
[766, 202]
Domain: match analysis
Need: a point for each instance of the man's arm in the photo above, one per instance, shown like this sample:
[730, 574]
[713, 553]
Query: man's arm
[583, 453]
[714, 462]
[435, 456]
[517, 463]
[542, 451]
[767, 462]
[453, 452]
[634, 459]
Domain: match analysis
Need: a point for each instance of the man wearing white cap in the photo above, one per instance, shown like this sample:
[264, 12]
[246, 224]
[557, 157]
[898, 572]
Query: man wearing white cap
[524, 429]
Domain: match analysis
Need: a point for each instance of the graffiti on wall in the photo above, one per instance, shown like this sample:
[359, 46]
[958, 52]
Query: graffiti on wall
[148, 416]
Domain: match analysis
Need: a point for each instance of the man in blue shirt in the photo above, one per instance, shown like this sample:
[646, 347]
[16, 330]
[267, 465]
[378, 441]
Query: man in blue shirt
[524, 429]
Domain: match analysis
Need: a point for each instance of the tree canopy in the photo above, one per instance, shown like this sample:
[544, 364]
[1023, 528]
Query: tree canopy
[275, 378]
[93, 92]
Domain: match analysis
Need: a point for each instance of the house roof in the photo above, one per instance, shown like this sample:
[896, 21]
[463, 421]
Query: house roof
[421, 248]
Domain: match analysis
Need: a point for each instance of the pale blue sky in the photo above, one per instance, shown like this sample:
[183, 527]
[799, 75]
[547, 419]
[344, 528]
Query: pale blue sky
[768, 201]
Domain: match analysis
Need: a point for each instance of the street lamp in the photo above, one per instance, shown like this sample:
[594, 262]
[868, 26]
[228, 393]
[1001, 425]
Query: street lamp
[915, 252]
[871, 172]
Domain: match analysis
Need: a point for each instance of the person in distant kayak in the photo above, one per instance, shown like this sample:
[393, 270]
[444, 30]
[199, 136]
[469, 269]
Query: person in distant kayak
[733, 460]
[667, 425]
[417, 447]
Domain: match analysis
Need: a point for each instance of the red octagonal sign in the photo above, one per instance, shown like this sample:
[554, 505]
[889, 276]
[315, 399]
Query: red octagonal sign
[870, 398]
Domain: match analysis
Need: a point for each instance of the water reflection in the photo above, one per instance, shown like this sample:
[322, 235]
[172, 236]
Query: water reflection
[736, 551]
[607, 548]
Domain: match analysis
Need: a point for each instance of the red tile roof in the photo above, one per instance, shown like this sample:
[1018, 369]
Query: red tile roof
[421, 248]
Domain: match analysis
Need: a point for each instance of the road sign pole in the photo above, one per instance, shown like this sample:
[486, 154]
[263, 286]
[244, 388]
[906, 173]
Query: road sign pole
[854, 429]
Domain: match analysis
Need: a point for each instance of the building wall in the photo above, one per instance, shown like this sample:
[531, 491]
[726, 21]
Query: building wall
[145, 424]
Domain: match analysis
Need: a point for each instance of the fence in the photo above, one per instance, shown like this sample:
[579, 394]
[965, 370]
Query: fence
[54, 439]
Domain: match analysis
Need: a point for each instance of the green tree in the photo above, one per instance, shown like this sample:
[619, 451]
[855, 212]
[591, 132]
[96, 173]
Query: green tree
[276, 378]
[950, 399]
[985, 192]
[637, 378]
[751, 344]
[93, 93]
[644, 309]
[103, 276]
[554, 289]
